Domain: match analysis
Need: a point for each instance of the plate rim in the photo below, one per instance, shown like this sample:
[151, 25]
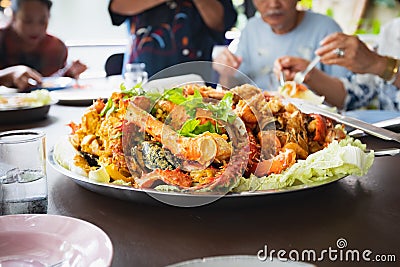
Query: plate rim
[65, 98]
[16, 116]
[65, 85]
[223, 258]
[82, 180]
[61, 219]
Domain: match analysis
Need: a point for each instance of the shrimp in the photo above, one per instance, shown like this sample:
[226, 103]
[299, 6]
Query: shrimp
[279, 163]
[318, 126]
[244, 111]
[173, 177]
[205, 91]
[203, 148]
[300, 152]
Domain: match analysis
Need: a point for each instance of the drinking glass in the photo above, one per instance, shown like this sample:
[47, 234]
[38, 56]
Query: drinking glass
[23, 181]
[135, 73]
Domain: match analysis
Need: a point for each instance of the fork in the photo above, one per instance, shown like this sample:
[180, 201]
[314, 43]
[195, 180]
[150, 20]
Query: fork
[299, 76]
[282, 78]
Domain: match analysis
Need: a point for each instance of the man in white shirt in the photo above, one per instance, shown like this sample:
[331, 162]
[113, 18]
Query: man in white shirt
[278, 30]
[389, 39]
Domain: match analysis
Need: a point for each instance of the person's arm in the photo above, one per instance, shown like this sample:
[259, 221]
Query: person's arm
[132, 7]
[21, 77]
[396, 81]
[226, 64]
[358, 57]
[321, 83]
[330, 87]
[212, 12]
[74, 69]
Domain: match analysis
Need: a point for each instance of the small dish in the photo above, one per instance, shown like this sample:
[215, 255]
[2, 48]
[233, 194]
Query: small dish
[52, 240]
[56, 83]
[25, 107]
[79, 97]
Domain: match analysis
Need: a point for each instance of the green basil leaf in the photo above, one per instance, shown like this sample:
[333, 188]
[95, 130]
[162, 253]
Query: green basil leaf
[188, 127]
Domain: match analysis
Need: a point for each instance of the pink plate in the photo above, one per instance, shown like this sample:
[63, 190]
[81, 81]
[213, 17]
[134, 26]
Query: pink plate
[28, 240]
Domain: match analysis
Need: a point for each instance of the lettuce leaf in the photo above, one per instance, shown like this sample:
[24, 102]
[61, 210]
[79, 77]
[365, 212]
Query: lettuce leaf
[339, 159]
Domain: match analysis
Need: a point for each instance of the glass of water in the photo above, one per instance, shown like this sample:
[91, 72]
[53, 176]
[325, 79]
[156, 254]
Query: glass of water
[23, 181]
[135, 73]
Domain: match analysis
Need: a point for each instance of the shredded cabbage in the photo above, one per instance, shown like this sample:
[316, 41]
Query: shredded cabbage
[100, 175]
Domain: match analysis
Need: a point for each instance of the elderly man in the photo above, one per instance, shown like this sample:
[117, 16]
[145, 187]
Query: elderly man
[374, 81]
[279, 29]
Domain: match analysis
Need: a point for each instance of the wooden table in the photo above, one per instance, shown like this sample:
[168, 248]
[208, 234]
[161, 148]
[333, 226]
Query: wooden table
[365, 211]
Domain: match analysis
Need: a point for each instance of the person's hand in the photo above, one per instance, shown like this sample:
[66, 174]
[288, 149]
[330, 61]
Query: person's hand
[21, 77]
[227, 63]
[347, 51]
[289, 66]
[75, 69]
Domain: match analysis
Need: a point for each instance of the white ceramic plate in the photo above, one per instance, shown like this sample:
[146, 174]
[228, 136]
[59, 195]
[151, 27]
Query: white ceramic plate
[56, 83]
[88, 90]
[79, 96]
[239, 261]
[52, 240]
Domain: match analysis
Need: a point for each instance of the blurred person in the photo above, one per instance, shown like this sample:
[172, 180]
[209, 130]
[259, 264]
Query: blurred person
[279, 29]
[389, 39]
[164, 33]
[25, 41]
[373, 80]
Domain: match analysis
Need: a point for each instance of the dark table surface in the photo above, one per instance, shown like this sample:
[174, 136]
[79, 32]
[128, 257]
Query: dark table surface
[364, 211]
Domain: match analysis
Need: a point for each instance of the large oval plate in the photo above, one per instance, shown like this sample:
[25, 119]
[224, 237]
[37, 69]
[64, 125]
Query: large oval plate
[171, 198]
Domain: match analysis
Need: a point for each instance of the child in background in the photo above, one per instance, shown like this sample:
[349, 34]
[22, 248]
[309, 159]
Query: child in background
[25, 42]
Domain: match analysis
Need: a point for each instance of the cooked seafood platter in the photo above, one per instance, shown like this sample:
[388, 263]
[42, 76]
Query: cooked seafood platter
[195, 139]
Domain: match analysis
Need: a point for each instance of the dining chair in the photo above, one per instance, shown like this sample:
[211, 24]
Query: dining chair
[113, 65]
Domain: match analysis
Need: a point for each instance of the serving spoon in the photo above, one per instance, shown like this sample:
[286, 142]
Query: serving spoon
[386, 152]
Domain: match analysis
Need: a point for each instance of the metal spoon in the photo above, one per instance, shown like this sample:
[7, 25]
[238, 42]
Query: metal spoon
[386, 152]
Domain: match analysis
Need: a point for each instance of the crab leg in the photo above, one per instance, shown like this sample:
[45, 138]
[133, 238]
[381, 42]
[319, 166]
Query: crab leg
[203, 149]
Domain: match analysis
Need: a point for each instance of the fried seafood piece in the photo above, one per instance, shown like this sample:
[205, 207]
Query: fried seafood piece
[203, 148]
[99, 136]
[255, 153]
[269, 143]
[176, 115]
[172, 177]
[205, 91]
[207, 180]
[244, 92]
[257, 111]
[153, 156]
[279, 163]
